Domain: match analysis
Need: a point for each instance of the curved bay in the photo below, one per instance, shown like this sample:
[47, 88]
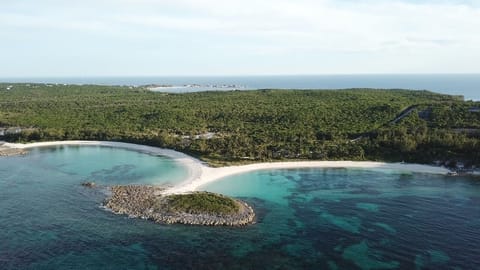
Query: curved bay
[307, 218]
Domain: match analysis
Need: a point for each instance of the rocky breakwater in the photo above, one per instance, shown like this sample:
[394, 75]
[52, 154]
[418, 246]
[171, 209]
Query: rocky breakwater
[198, 208]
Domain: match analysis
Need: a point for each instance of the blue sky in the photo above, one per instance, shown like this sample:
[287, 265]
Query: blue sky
[240, 37]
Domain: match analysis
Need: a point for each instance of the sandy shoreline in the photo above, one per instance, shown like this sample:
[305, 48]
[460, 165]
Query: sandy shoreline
[210, 175]
[199, 174]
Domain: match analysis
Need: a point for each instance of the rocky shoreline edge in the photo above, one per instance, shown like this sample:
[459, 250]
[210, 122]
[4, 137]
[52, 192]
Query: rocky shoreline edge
[10, 152]
[6, 151]
[144, 202]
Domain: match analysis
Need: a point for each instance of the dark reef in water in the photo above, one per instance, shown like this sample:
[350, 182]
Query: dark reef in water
[198, 208]
[89, 184]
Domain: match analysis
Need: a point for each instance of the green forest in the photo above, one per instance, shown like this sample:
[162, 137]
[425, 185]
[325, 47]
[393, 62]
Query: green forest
[258, 125]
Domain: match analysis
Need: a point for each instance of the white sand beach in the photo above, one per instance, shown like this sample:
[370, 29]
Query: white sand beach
[199, 174]
[209, 175]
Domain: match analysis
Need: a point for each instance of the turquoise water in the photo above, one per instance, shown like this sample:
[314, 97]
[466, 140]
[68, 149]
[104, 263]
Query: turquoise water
[360, 219]
[307, 219]
[104, 165]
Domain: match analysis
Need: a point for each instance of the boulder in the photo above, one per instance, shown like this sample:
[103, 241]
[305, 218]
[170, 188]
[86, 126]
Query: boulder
[89, 184]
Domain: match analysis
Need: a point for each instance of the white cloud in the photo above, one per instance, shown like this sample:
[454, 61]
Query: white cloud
[267, 27]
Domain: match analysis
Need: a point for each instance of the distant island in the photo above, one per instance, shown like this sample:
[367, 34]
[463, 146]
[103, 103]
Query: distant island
[241, 127]
[155, 87]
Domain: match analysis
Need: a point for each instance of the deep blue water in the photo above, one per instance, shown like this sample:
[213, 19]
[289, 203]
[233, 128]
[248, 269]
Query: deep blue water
[467, 85]
[307, 218]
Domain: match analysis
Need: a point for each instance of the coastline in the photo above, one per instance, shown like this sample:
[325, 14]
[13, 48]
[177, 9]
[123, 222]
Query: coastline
[191, 164]
[210, 174]
[200, 174]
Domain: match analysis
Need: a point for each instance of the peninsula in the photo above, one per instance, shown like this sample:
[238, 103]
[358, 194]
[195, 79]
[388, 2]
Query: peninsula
[218, 134]
[244, 127]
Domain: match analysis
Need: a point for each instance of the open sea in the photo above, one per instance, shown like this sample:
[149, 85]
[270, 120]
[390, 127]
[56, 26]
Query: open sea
[467, 85]
[307, 218]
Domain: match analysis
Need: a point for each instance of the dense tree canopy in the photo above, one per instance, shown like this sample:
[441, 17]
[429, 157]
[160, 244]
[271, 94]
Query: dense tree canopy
[237, 126]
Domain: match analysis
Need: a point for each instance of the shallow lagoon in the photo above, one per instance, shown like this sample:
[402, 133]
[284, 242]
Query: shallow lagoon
[307, 218]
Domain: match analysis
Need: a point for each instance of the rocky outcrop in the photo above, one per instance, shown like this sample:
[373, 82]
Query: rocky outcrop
[8, 152]
[89, 184]
[141, 202]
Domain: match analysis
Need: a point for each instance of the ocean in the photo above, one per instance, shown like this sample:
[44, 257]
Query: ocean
[306, 218]
[467, 85]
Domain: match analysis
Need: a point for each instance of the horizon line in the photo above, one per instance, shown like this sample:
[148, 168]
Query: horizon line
[233, 75]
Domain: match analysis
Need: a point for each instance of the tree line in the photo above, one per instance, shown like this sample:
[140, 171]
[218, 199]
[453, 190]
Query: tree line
[255, 125]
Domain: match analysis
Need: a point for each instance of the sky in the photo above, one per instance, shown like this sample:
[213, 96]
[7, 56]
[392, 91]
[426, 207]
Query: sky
[58, 38]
